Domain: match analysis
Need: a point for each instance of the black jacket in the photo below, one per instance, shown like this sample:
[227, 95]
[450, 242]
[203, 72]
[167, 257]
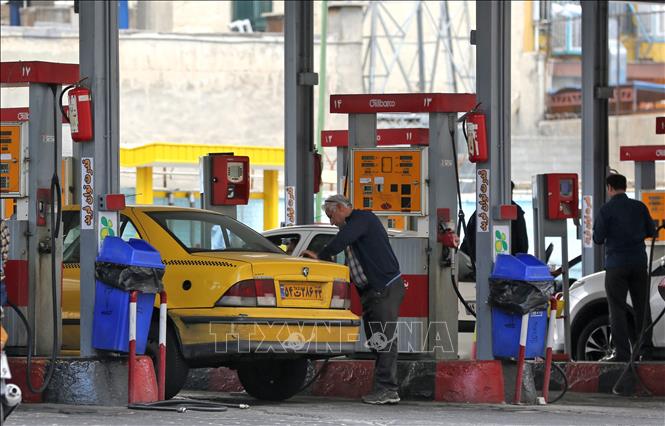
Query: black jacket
[519, 241]
[622, 225]
[368, 238]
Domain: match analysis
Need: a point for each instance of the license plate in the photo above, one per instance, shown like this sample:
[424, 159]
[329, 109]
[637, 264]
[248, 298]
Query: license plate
[297, 291]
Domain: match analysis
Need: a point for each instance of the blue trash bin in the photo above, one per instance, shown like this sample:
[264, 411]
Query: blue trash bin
[111, 313]
[506, 329]
[506, 326]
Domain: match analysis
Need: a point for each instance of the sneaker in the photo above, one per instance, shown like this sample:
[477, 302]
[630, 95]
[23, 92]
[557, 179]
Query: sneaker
[381, 397]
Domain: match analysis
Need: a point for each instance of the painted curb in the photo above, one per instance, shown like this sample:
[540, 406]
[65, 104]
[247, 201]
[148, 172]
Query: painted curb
[600, 377]
[452, 381]
[84, 381]
[476, 382]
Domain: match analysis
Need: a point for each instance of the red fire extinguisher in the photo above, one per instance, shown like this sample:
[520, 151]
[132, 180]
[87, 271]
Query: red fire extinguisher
[79, 113]
[476, 136]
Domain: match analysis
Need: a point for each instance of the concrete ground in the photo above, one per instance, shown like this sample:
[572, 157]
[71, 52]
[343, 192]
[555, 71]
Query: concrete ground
[574, 409]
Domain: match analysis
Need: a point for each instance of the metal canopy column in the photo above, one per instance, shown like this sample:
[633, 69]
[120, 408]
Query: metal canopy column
[595, 94]
[493, 91]
[645, 177]
[442, 194]
[299, 79]
[98, 55]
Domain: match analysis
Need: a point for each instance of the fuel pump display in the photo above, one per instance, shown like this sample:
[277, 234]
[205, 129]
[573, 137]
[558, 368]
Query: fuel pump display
[655, 202]
[389, 180]
[12, 145]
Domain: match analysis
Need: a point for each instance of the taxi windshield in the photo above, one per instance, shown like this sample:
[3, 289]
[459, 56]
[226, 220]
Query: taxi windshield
[204, 231]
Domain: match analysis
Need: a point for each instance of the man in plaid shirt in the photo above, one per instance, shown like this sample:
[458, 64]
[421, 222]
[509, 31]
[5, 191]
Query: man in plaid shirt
[375, 272]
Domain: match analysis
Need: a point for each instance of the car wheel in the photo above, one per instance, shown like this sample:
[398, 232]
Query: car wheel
[176, 367]
[273, 380]
[595, 340]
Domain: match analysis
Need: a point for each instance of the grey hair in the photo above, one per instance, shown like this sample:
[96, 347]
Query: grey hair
[332, 202]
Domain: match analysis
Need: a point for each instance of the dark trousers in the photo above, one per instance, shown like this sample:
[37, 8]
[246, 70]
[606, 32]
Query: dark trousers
[618, 282]
[380, 313]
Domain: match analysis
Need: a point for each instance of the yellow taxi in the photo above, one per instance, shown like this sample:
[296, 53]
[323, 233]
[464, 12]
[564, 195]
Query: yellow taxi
[234, 299]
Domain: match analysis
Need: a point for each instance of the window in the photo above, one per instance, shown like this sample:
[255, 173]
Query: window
[127, 229]
[651, 21]
[204, 231]
[252, 10]
[286, 242]
[566, 28]
[71, 225]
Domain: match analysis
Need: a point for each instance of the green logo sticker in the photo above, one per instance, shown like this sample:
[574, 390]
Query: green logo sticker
[106, 229]
[500, 242]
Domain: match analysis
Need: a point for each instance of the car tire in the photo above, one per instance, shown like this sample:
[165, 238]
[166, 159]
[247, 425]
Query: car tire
[176, 367]
[595, 340]
[273, 380]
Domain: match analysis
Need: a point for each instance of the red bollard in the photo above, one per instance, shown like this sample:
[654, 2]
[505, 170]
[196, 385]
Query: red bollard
[548, 353]
[161, 375]
[133, 297]
[520, 358]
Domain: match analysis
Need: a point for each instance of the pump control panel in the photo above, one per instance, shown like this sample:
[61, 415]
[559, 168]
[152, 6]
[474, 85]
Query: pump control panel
[562, 196]
[229, 176]
[13, 141]
[389, 181]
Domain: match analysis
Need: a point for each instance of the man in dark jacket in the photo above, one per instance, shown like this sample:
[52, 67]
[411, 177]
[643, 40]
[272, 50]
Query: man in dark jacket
[375, 272]
[622, 225]
[519, 240]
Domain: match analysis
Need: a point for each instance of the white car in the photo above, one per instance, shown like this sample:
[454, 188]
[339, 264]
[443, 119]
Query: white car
[591, 335]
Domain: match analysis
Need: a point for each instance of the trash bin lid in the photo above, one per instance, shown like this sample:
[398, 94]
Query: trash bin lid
[523, 267]
[134, 252]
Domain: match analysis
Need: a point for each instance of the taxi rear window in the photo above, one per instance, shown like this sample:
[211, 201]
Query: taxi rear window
[203, 231]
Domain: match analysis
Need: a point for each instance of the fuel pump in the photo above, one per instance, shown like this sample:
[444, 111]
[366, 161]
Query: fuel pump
[555, 200]
[31, 170]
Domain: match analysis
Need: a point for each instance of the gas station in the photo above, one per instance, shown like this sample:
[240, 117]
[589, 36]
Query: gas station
[408, 177]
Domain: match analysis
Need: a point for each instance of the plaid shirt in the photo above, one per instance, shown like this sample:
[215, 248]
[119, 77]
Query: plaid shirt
[358, 276]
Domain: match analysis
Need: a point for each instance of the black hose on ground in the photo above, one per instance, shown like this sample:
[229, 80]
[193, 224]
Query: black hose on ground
[562, 372]
[316, 376]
